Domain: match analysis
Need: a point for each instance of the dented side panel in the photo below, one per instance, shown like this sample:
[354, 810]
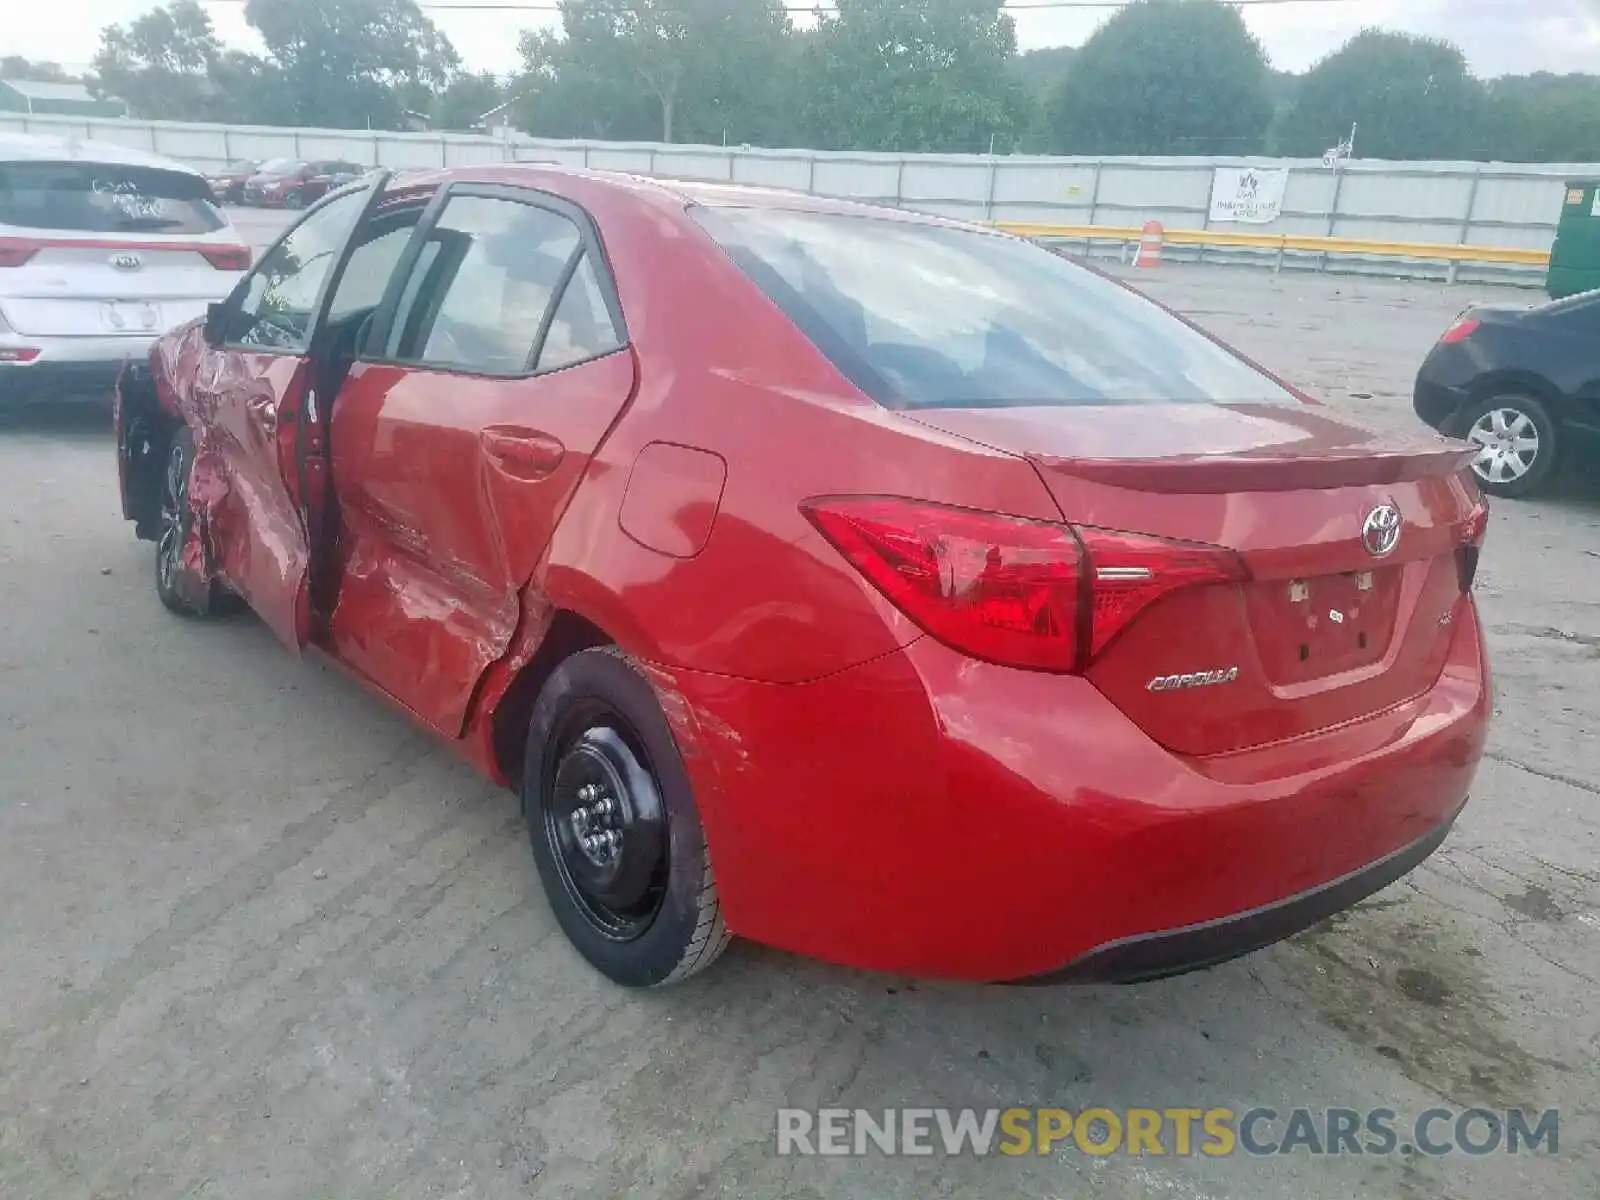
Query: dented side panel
[240, 491]
[450, 487]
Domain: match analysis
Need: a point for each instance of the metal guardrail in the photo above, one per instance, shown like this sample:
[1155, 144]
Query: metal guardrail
[1284, 243]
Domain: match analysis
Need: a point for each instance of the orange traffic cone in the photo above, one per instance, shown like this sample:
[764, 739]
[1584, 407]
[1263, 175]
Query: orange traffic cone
[1150, 245]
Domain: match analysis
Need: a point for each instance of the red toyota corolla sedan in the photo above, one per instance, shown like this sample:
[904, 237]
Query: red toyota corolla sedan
[866, 584]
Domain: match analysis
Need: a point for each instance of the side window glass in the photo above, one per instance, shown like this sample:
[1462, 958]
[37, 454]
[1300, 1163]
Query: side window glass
[484, 294]
[280, 297]
[366, 278]
[582, 327]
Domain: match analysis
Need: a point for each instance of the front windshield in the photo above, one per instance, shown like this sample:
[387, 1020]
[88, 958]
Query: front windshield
[928, 315]
[277, 166]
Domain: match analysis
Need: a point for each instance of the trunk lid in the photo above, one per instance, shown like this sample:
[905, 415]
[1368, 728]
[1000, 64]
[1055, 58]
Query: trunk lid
[1334, 624]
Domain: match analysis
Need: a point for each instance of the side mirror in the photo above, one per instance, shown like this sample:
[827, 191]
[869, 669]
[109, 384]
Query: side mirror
[216, 330]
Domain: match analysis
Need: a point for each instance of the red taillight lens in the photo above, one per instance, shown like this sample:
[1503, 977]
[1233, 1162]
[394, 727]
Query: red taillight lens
[1460, 331]
[16, 253]
[998, 588]
[13, 355]
[227, 258]
[1472, 533]
[1023, 593]
[1131, 571]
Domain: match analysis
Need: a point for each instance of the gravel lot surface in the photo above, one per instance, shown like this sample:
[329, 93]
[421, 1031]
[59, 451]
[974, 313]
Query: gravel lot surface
[261, 938]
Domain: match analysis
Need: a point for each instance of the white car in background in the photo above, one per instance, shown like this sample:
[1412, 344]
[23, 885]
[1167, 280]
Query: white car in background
[102, 250]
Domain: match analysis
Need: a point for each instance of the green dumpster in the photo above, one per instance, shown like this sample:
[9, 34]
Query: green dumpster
[1575, 255]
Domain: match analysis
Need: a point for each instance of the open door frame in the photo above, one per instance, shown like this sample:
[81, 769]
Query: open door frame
[303, 446]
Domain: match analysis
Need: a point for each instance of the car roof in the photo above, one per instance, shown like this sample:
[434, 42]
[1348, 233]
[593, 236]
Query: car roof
[28, 147]
[672, 192]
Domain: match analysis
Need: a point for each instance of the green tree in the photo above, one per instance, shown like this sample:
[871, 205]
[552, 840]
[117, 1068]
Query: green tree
[667, 70]
[914, 75]
[160, 63]
[1409, 97]
[249, 90]
[467, 98]
[14, 66]
[1041, 71]
[1165, 77]
[564, 93]
[1545, 117]
[352, 63]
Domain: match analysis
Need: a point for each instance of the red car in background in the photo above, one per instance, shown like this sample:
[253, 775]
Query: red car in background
[227, 185]
[290, 183]
[866, 584]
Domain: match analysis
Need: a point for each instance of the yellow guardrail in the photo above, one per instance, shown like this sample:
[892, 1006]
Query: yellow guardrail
[1282, 242]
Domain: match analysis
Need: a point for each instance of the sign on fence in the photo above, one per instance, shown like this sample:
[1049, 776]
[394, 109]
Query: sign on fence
[1253, 195]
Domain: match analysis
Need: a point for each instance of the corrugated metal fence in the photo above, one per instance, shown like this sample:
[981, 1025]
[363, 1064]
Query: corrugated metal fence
[1496, 205]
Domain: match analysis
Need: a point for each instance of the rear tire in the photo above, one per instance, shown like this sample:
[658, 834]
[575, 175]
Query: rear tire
[1518, 443]
[616, 836]
[179, 588]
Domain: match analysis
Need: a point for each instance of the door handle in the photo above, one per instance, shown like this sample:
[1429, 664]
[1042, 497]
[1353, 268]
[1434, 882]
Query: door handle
[266, 411]
[527, 454]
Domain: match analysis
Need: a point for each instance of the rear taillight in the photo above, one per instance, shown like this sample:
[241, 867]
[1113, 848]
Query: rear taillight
[14, 354]
[15, 252]
[1470, 536]
[1460, 331]
[1131, 571]
[227, 258]
[1024, 593]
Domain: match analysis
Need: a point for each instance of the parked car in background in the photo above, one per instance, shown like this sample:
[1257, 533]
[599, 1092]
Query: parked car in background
[102, 249]
[227, 185]
[289, 183]
[915, 598]
[1522, 384]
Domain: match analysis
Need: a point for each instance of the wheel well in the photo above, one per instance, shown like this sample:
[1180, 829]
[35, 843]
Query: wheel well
[568, 634]
[148, 432]
[1499, 383]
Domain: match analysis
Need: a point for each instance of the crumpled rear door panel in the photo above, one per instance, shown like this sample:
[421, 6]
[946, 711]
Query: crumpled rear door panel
[450, 487]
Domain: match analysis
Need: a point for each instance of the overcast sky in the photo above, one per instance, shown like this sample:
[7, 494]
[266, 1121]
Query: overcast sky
[1499, 36]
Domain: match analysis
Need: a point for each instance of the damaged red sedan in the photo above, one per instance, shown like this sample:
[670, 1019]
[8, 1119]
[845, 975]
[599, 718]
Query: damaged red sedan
[881, 588]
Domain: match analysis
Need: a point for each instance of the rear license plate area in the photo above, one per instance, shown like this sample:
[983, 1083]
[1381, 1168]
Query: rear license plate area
[130, 316]
[1311, 628]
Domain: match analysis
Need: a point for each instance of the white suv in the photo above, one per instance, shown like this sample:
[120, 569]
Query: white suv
[102, 250]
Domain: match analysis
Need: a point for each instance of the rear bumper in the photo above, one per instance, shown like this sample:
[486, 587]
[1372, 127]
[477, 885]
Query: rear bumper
[60, 381]
[68, 369]
[1175, 951]
[934, 816]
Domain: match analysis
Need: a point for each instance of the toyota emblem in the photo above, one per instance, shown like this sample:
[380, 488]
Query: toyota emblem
[126, 262]
[1380, 533]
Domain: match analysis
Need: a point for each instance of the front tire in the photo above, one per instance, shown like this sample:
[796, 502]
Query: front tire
[294, 201]
[616, 836]
[1517, 444]
[179, 588]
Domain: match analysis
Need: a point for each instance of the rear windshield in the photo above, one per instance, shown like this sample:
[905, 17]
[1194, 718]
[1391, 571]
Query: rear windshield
[105, 198]
[922, 316]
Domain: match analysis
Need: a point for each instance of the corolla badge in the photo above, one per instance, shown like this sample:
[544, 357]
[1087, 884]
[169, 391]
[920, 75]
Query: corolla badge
[1380, 532]
[126, 261]
[1194, 679]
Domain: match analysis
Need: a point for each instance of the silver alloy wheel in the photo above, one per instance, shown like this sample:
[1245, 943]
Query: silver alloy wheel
[1508, 445]
[169, 550]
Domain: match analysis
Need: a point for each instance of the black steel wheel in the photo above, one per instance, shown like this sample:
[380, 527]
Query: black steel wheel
[616, 836]
[605, 823]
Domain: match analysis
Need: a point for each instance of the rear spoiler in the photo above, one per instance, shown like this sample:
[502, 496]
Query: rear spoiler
[1211, 474]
